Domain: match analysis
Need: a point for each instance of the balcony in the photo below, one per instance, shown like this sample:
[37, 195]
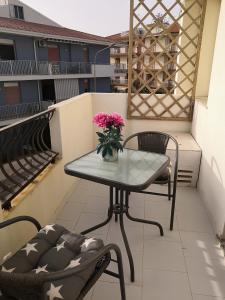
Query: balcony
[30, 69]
[173, 48]
[169, 84]
[119, 82]
[171, 67]
[121, 68]
[117, 52]
[77, 204]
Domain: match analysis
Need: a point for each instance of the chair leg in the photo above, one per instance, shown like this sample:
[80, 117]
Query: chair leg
[172, 211]
[121, 274]
[169, 188]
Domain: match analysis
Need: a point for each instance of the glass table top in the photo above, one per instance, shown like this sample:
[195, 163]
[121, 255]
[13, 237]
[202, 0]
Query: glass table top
[134, 170]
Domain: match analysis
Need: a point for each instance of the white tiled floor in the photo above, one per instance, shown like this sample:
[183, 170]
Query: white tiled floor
[185, 264]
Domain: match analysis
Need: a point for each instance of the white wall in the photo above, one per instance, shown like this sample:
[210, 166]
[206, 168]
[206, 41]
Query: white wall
[209, 131]
[207, 47]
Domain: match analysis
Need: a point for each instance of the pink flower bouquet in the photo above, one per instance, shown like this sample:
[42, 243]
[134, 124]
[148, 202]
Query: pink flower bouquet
[110, 139]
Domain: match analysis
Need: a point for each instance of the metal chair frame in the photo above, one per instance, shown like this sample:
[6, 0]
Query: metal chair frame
[37, 280]
[169, 194]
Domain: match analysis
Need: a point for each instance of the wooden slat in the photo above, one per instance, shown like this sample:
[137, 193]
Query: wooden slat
[177, 101]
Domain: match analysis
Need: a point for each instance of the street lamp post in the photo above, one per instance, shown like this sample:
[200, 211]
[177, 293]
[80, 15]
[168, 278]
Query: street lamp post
[95, 60]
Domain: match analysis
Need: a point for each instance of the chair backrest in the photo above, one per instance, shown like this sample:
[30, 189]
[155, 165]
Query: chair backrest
[151, 141]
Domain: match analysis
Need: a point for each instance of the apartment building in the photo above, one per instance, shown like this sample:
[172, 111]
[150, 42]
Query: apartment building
[155, 59]
[119, 59]
[42, 62]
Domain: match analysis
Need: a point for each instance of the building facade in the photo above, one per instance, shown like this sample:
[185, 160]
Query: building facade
[43, 63]
[119, 59]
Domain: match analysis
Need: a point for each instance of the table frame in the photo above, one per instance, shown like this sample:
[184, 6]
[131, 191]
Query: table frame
[119, 208]
[119, 205]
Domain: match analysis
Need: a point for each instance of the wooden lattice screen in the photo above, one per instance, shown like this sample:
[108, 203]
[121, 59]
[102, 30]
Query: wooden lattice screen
[164, 45]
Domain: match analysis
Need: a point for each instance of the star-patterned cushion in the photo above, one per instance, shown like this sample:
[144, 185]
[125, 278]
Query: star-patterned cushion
[53, 249]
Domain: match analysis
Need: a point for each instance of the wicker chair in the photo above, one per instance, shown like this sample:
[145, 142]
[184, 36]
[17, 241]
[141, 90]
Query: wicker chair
[56, 264]
[154, 141]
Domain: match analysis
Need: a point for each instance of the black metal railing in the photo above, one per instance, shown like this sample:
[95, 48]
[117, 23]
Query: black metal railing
[25, 151]
[32, 67]
[22, 110]
[121, 68]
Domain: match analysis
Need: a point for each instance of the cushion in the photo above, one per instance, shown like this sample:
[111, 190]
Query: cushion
[54, 248]
[164, 177]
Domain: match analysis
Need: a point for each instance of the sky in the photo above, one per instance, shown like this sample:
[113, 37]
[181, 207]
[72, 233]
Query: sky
[101, 17]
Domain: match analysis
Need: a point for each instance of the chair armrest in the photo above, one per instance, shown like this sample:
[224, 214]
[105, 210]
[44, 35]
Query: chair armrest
[38, 279]
[19, 219]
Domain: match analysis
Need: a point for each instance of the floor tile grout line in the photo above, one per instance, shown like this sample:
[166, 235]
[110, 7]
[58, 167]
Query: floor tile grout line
[185, 263]
[165, 270]
[210, 296]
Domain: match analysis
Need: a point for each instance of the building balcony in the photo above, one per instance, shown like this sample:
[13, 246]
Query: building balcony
[118, 53]
[122, 82]
[32, 70]
[169, 84]
[171, 67]
[173, 48]
[121, 68]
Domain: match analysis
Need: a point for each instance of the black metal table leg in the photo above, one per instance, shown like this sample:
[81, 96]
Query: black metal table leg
[116, 202]
[141, 220]
[110, 214]
[129, 254]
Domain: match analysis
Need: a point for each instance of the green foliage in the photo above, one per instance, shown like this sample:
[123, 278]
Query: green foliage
[110, 139]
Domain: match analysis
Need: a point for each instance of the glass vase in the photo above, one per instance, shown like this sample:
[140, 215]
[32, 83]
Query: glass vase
[111, 158]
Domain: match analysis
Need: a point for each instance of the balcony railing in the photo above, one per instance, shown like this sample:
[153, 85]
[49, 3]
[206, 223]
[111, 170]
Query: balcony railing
[119, 81]
[22, 110]
[120, 68]
[115, 51]
[32, 67]
[169, 84]
[171, 67]
[25, 153]
[171, 48]
[119, 51]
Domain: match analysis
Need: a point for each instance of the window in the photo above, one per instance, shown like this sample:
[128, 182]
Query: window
[7, 49]
[86, 86]
[53, 53]
[117, 61]
[12, 93]
[16, 11]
